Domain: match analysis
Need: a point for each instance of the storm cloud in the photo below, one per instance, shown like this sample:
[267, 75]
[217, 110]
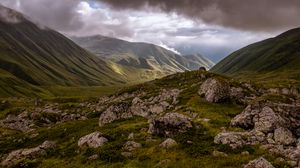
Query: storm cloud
[253, 15]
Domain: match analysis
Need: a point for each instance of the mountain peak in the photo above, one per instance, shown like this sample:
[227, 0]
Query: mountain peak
[9, 15]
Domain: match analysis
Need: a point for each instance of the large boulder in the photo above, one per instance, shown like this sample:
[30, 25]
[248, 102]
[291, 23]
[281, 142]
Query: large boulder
[93, 140]
[170, 124]
[259, 117]
[17, 156]
[115, 112]
[259, 163]
[215, 90]
[284, 136]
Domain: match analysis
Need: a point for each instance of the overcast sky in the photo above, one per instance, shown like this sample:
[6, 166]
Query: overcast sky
[213, 28]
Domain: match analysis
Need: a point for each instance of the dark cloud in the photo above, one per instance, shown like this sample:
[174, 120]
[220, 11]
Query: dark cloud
[253, 15]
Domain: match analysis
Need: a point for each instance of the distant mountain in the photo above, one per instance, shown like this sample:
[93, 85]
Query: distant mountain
[278, 57]
[41, 56]
[140, 55]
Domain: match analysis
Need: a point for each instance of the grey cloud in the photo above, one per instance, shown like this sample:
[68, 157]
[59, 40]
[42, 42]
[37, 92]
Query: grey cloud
[253, 15]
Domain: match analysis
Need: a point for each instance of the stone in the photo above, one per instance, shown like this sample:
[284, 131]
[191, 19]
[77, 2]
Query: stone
[131, 146]
[115, 112]
[215, 90]
[93, 140]
[259, 163]
[267, 120]
[131, 136]
[17, 156]
[245, 153]
[233, 139]
[168, 143]
[219, 154]
[94, 157]
[126, 154]
[170, 124]
[283, 136]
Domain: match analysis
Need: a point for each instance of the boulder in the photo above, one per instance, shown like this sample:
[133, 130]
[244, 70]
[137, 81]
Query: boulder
[115, 112]
[170, 124]
[267, 120]
[219, 154]
[17, 156]
[233, 139]
[259, 163]
[93, 140]
[215, 90]
[168, 143]
[131, 146]
[284, 136]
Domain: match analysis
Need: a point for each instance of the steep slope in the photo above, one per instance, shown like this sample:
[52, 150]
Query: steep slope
[41, 56]
[275, 58]
[138, 55]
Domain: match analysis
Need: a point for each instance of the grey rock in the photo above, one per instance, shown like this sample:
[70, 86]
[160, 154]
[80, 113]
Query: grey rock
[168, 143]
[131, 146]
[284, 136]
[259, 163]
[32, 153]
[93, 140]
[215, 90]
[219, 154]
[170, 124]
[115, 112]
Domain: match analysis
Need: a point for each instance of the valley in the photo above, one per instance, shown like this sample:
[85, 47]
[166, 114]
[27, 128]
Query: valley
[98, 101]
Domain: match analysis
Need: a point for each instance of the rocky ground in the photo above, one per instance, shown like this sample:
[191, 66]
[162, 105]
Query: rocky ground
[191, 119]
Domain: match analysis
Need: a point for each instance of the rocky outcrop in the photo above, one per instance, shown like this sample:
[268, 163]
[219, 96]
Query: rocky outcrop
[20, 122]
[115, 112]
[17, 156]
[168, 143]
[170, 124]
[154, 106]
[93, 140]
[147, 108]
[259, 163]
[215, 90]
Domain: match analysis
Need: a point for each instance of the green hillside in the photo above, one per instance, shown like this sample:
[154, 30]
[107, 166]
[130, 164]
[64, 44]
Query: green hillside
[140, 55]
[271, 59]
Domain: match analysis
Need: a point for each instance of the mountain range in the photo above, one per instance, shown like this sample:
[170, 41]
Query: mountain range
[141, 55]
[33, 55]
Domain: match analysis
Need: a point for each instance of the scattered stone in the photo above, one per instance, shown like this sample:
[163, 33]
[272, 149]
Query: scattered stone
[115, 112]
[215, 90]
[131, 136]
[170, 124]
[163, 162]
[131, 146]
[292, 163]
[219, 154]
[93, 140]
[284, 136]
[168, 143]
[259, 163]
[127, 154]
[94, 157]
[245, 153]
[17, 156]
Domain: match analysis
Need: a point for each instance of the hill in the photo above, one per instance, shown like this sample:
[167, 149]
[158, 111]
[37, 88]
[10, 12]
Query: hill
[277, 57]
[140, 55]
[41, 56]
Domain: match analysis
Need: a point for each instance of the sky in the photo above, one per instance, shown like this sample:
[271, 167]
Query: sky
[213, 28]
